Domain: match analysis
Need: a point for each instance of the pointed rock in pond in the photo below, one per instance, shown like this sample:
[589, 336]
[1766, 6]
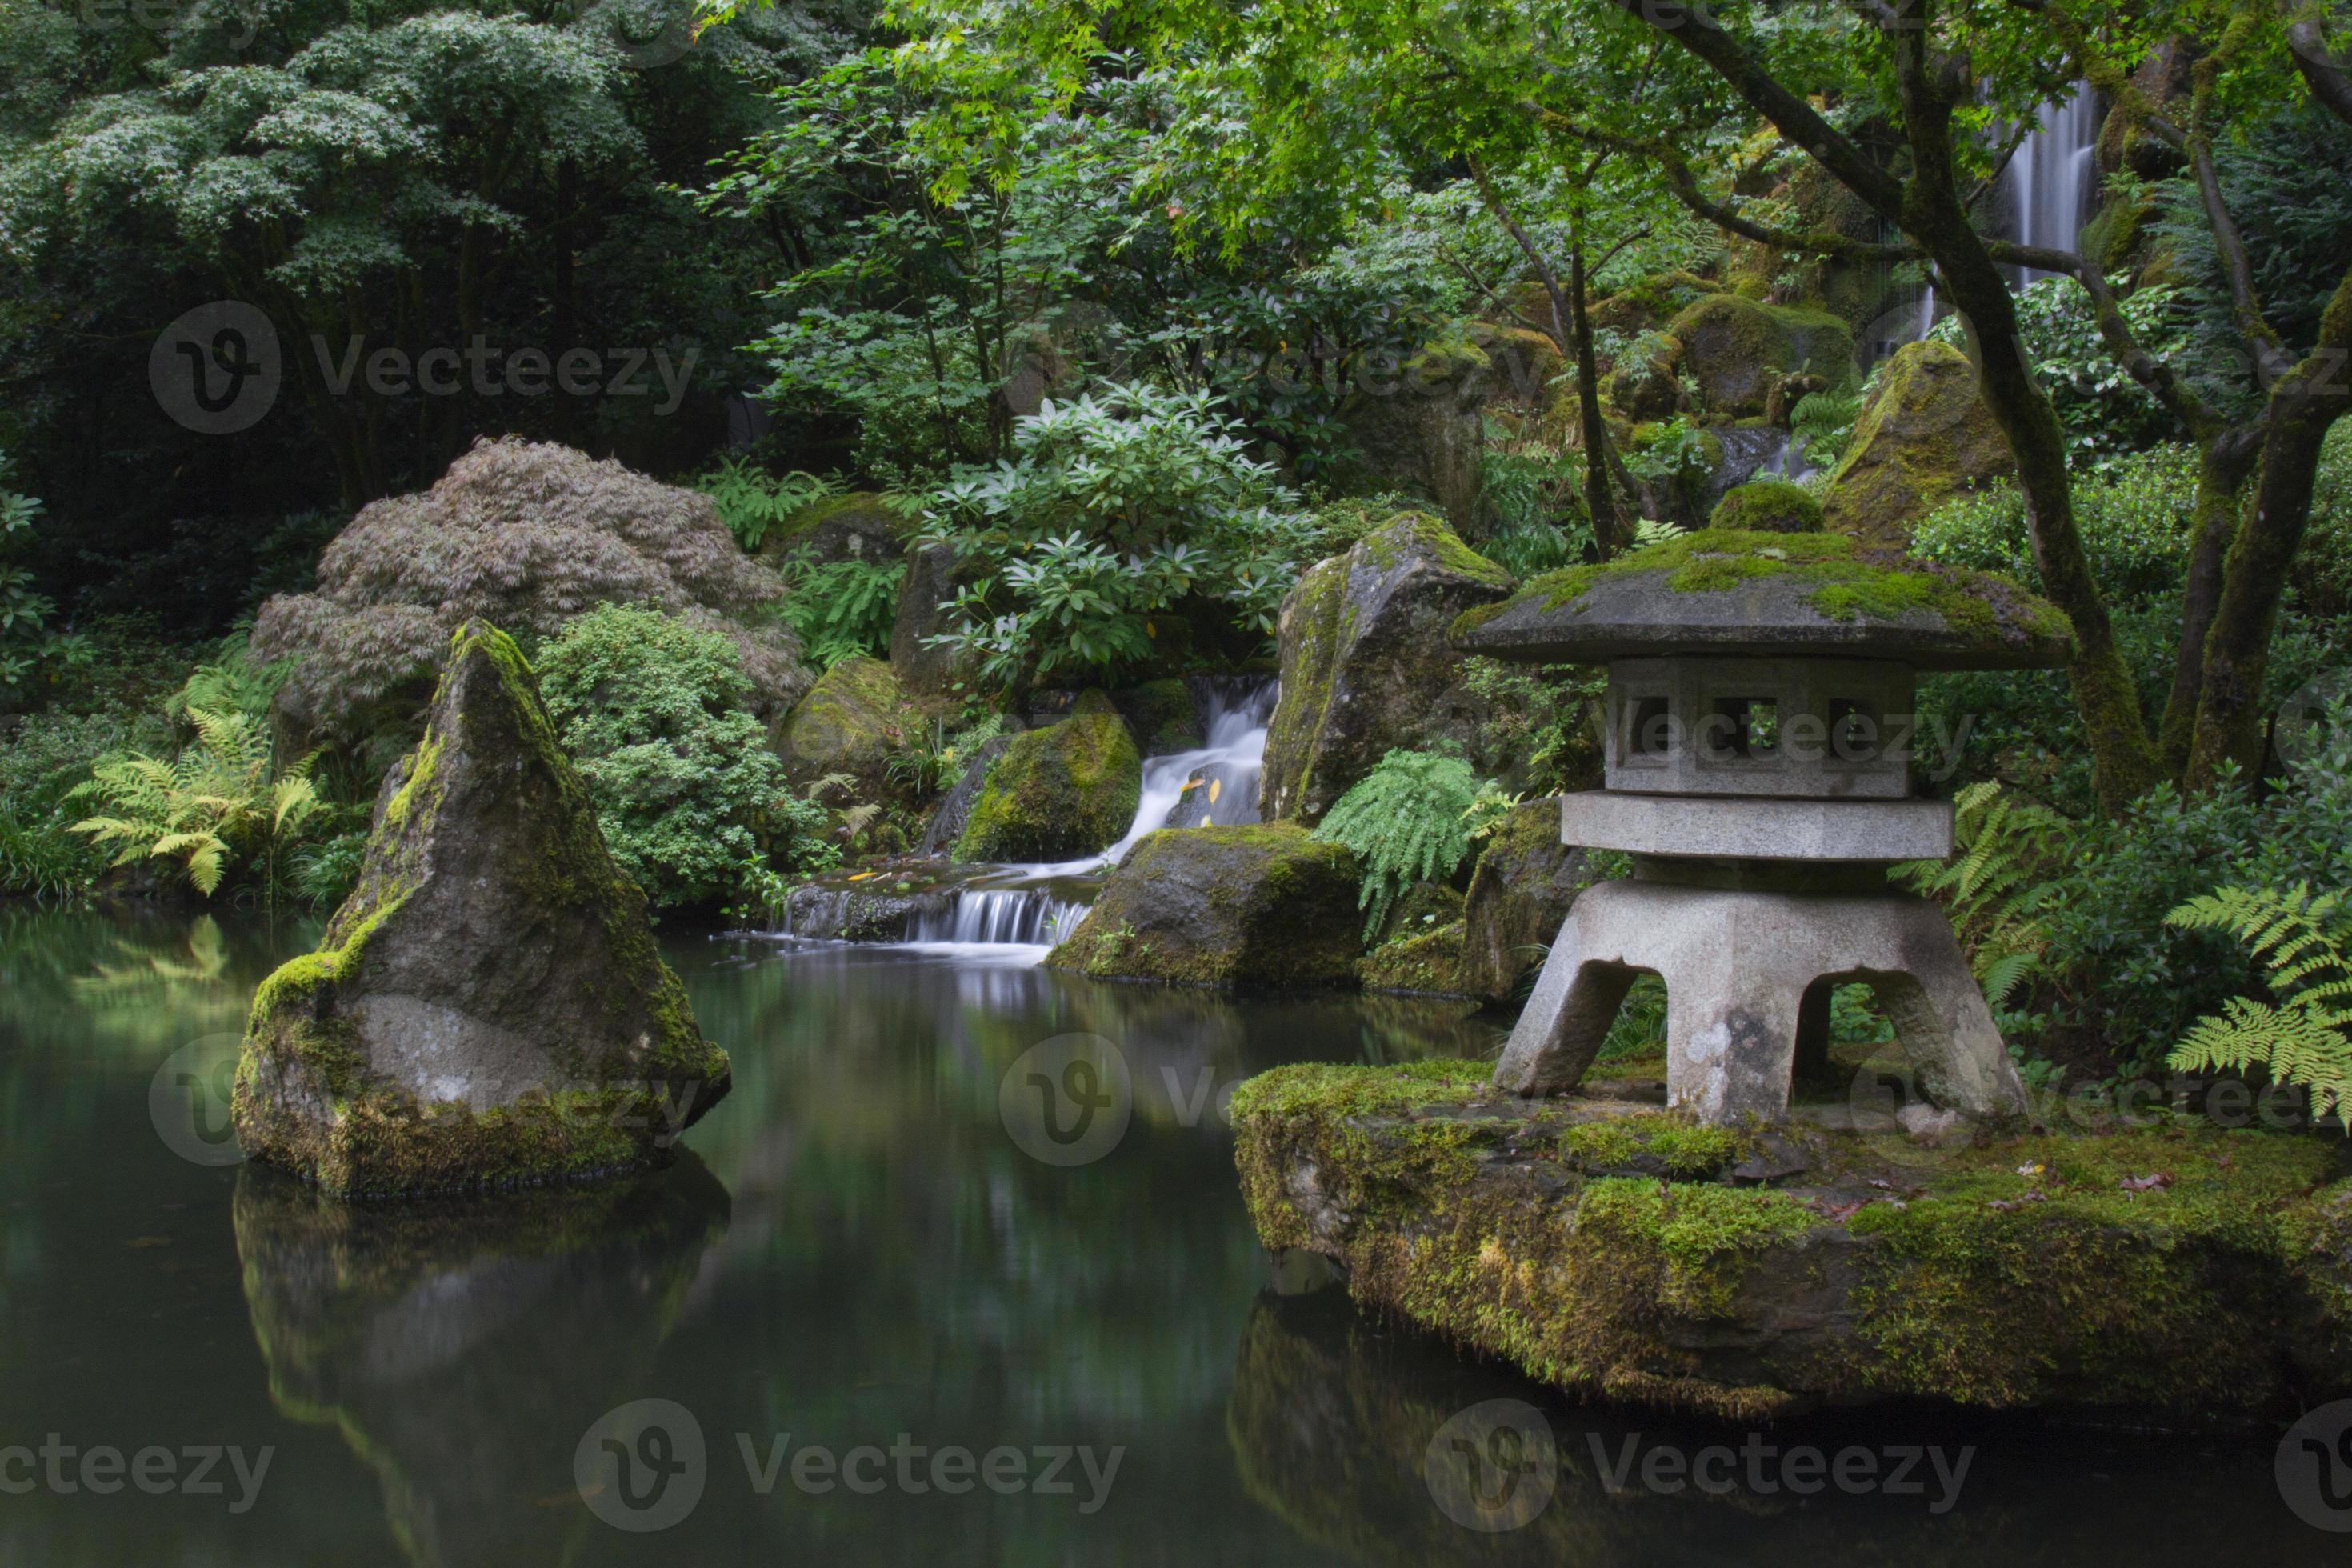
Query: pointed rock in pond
[488, 1009]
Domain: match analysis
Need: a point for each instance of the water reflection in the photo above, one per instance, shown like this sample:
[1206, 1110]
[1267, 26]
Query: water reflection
[462, 1348]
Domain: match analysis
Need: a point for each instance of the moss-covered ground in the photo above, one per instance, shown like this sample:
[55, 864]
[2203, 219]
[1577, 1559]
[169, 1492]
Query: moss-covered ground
[2170, 1271]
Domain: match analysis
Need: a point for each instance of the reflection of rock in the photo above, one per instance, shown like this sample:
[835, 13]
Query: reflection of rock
[1366, 666]
[489, 1007]
[463, 1348]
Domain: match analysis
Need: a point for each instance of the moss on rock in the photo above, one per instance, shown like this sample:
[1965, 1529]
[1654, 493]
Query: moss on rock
[489, 1007]
[1059, 792]
[1257, 905]
[2182, 1273]
[1768, 505]
[858, 526]
[1925, 438]
[1422, 963]
[1737, 349]
[1162, 716]
[853, 721]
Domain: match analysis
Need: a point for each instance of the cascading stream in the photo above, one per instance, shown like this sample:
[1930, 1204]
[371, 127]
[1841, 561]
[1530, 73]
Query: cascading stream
[1023, 910]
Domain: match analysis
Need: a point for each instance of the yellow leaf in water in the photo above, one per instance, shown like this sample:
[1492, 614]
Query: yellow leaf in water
[1216, 788]
[864, 876]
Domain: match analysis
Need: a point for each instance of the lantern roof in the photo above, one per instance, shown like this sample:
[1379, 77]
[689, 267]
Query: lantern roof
[1731, 593]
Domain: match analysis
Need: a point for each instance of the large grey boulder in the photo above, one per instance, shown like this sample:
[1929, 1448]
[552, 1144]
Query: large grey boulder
[1925, 438]
[1526, 880]
[1366, 666]
[1423, 429]
[488, 1009]
[1256, 905]
[853, 721]
[929, 674]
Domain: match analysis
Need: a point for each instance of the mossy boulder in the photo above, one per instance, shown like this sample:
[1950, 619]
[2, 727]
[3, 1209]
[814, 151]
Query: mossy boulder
[853, 721]
[1057, 793]
[1768, 505]
[488, 1009]
[1737, 349]
[1924, 437]
[1728, 592]
[1260, 905]
[1524, 882]
[1416, 961]
[1365, 664]
[461, 1347]
[1418, 427]
[1521, 362]
[859, 526]
[2185, 1274]
[1646, 384]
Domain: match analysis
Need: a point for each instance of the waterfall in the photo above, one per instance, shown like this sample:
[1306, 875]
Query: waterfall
[2050, 177]
[1787, 461]
[1013, 910]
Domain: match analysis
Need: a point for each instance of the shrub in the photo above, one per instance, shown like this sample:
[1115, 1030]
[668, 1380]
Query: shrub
[526, 536]
[843, 608]
[2135, 516]
[653, 709]
[1113, 511]
[751, 500]
[1412, 819]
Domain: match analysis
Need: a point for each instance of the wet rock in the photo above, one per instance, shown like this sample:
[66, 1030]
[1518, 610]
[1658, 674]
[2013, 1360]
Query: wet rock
[1521, 890]
[1060, 792]
[1924, 439]
[1162, 716]
[853, 721]
[1366, 666]
[1248, 906]
[488, 1009]
[947, 823]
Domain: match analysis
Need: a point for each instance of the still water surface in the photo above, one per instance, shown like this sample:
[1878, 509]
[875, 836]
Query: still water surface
[856, 1249]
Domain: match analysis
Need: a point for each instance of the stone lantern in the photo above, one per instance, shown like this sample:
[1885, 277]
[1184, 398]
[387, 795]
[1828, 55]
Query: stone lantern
[1761, 735]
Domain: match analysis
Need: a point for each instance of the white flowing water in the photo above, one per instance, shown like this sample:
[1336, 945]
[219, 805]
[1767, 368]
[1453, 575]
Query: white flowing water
[1017, 913]
[2050, 177]
[1787, 462]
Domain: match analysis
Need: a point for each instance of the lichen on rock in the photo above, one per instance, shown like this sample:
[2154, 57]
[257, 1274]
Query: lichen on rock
[489, 1007]
[1261, 904]
[853, 721]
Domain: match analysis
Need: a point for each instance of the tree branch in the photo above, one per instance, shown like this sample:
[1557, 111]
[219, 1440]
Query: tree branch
[2331, 89]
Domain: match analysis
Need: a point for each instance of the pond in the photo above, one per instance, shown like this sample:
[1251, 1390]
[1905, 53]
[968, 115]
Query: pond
[899, 1336]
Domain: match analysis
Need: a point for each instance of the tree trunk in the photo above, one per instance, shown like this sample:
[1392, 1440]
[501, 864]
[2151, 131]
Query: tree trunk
[2223, 462]
[1608, 533]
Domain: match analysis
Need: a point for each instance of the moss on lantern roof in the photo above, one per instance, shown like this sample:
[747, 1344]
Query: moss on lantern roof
[1736, 591]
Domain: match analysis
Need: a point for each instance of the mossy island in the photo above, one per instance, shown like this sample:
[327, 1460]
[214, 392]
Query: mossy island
[2168, 1271]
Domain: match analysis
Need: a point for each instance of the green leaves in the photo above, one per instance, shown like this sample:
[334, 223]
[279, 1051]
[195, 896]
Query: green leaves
[2300, 938]
[1412, 819]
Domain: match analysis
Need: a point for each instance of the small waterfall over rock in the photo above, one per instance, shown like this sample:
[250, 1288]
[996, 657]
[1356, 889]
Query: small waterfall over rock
[2051, 178]
[1017, 909]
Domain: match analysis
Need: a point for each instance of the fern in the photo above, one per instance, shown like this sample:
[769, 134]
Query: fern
[844, 608]
[2009, 851]
[204, 808]
[751, 501]
[2300, 938]
[1410, 819]
[1821, 424]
